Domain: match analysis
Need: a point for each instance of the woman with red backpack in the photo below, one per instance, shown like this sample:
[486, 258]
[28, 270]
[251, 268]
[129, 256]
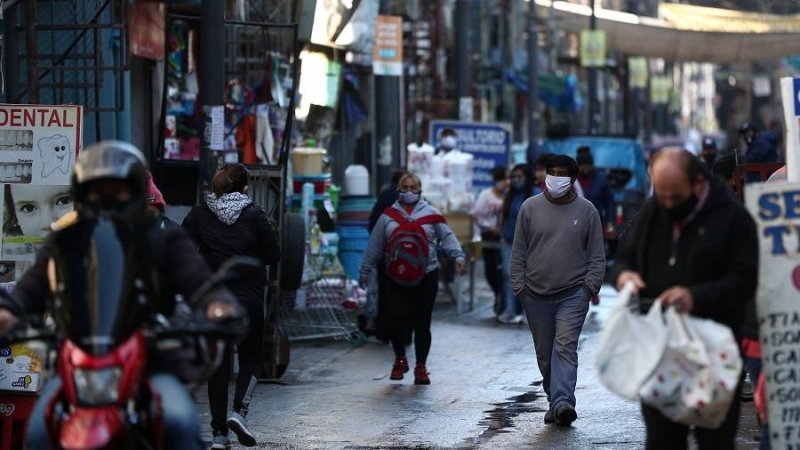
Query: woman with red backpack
[404, 237]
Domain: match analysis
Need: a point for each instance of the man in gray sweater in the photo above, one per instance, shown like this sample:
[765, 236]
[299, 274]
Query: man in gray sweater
[557, 264]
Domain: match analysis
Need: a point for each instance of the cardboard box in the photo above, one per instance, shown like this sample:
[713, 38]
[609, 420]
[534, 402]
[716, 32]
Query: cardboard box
[461, 224]
[20, 369]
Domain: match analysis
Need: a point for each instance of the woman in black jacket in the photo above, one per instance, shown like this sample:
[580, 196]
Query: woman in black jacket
[230, 224]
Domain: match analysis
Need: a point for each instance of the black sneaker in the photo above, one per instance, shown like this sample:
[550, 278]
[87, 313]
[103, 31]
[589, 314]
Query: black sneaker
[549, 417]
[565, 415]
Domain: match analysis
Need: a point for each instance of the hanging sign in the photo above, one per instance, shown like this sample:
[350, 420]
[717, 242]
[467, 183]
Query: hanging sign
[637, 72]
[593, 48]
[387, 54]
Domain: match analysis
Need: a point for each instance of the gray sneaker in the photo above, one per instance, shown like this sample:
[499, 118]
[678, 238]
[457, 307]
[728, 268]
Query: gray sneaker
[220, 442]
[238, 425]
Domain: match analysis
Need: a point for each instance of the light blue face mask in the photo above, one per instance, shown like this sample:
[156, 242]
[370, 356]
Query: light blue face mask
[409, 198]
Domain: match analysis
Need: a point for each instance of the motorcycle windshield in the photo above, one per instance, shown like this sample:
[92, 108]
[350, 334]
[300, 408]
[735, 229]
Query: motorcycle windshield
[100, 298]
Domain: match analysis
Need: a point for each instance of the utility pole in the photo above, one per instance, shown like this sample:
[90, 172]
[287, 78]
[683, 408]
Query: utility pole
[463, 57]
[212, 47]
[594, 116]
[533, 78]
[387, 110]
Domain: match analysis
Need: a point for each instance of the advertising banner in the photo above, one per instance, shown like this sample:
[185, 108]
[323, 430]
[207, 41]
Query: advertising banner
[387, 54]
[776, 209]
[38, 147]
[489, 144]
[637, 67]
[593, 48]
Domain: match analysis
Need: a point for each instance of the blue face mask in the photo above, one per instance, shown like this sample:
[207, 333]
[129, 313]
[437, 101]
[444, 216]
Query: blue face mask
[517, 183]
[409, 198]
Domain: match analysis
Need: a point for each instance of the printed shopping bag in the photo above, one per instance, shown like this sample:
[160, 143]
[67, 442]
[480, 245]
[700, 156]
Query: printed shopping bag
[630, 346]
[697, 376]
[709, 398]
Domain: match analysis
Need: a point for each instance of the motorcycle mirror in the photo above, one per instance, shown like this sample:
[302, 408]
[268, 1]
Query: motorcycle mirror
[235, 268]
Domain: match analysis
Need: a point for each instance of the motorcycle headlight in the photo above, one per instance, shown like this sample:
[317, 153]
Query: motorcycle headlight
[97, 386]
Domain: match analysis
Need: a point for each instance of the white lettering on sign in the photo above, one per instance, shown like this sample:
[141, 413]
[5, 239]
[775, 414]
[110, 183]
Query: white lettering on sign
[7, 409]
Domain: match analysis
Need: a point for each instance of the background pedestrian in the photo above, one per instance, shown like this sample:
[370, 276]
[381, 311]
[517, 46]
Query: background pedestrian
[227, 225]
[412, 301]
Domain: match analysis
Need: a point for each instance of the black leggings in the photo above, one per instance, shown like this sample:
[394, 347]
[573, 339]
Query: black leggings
[415, 305]
[250, 352]
[493, 267]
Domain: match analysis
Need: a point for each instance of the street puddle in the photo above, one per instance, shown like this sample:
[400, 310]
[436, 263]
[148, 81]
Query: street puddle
[501, 418]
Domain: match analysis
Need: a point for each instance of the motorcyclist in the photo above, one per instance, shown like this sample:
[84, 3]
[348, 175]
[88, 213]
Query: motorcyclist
[110, 183]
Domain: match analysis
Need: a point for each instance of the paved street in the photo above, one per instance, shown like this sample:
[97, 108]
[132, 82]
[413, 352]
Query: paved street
[485, 393]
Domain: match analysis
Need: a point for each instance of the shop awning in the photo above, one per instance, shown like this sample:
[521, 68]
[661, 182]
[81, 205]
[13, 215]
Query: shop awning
[686, 32]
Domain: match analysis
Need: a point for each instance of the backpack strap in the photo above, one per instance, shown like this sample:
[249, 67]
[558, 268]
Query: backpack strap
[394, 215]
[431, 219]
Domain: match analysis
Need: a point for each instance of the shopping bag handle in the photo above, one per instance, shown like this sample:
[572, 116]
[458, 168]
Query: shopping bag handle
[624, 296]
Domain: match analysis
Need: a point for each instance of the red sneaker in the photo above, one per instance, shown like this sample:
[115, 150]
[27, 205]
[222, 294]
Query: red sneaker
[399, 368]
[421, 375]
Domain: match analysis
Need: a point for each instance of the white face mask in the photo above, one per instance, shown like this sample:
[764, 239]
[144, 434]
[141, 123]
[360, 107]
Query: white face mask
[449, 142]
[557, 186]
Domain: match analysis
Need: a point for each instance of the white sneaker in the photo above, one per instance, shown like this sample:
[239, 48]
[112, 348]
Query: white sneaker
[238, 425]
[509, 318]
[221, 442]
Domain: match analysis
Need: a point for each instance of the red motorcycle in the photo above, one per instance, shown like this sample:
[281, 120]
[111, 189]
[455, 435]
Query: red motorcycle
[108, 332]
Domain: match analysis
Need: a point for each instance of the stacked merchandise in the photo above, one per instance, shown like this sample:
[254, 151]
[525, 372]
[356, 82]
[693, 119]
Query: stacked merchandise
[446, 177]
[353, 219]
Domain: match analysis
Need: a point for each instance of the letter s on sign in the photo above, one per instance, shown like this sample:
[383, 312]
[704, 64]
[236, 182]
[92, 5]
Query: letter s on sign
[768, 206]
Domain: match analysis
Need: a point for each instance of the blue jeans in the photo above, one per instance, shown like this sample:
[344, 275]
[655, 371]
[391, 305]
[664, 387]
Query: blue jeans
[511, 302]
[556, 326]
[181, 429]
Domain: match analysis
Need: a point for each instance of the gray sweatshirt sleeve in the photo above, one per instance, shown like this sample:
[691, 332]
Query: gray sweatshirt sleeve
[449, 241]
[375, 246]
[595, 253]
[519, 253]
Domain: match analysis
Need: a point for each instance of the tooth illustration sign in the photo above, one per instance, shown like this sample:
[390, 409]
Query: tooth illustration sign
[56, 154]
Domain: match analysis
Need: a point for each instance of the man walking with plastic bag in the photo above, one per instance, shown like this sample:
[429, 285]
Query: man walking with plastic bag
[557, 265]
[694, 247]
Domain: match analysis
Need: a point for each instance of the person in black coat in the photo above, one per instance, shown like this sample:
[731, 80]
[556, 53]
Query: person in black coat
[227, 225]
[696, 247]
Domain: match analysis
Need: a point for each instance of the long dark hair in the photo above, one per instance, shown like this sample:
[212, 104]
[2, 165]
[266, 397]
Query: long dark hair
[231, 177]
[527, 190]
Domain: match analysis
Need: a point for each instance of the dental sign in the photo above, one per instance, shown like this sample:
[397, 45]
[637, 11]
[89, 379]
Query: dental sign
[39, 143]
[776, 209]
[38, 147]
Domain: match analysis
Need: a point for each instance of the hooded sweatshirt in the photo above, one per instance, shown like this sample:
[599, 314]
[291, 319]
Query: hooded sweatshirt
[233, 225]
[434, 232]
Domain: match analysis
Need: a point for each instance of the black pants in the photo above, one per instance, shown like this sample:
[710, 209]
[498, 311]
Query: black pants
[493, 268]
[250, 352]
[664, 434]
[412, 306]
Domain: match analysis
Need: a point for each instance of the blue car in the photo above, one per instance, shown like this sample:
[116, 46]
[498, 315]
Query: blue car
[621, 159]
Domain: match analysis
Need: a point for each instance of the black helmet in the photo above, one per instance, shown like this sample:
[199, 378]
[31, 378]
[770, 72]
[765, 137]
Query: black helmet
[709, 143]
[111, 160]
[747, 126]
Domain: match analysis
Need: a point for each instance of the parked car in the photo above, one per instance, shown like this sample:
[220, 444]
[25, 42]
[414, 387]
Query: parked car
[622, 160]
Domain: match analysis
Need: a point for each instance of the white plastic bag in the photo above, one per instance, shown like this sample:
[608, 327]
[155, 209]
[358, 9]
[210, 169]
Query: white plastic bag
[630, 346]
[696, 380]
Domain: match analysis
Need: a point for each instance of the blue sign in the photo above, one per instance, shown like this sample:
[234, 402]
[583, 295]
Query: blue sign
[489, 144]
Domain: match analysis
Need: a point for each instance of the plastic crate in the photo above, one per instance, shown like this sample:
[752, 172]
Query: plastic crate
[14, 412]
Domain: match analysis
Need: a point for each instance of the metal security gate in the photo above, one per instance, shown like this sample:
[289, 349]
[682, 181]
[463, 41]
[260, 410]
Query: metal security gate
[71, 52]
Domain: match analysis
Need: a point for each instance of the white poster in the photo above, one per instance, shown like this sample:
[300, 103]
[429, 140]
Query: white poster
[38, 143]
[776, 209]
[28, 212]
